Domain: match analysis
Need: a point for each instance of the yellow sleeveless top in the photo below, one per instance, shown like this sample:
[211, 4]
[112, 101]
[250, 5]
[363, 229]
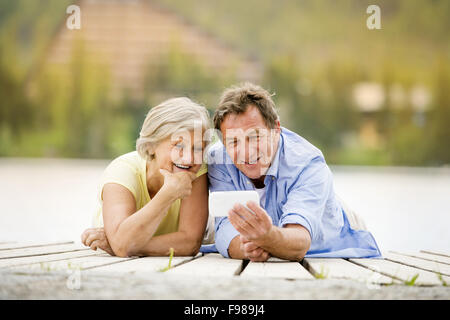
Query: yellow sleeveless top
[129, 170]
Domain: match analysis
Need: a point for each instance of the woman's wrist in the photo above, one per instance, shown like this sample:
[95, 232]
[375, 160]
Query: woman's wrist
[166, 194]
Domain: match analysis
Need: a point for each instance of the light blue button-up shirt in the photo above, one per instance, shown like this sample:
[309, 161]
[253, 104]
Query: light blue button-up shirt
[299, 190]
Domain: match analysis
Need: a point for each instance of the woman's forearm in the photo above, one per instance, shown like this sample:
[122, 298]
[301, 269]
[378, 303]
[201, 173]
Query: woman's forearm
[182, 243]
[136, 230]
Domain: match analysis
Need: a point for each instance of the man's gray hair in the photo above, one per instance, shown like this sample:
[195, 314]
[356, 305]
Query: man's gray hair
[236, 100]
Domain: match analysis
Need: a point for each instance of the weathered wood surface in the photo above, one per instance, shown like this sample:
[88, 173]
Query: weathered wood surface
[429, 269]
[16, 245]
[142, 265]
[426, 256]
[35, 251]
[284, 270]
[438, 252]
[402, 272]
[440, 268]
[81, 263]
[210, 265]
[15, 262]
[342, 269]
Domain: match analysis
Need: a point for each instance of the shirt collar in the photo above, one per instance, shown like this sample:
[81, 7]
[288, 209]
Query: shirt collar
[273, 169]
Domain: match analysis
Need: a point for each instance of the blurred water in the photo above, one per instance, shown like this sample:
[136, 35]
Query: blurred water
[53, 199]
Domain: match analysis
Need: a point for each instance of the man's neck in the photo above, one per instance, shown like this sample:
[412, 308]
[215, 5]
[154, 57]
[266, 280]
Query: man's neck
[259, 183]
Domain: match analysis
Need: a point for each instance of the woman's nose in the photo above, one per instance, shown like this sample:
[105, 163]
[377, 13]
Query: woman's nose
[187, 157]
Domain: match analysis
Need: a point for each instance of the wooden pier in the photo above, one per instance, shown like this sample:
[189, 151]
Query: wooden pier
[68, 270]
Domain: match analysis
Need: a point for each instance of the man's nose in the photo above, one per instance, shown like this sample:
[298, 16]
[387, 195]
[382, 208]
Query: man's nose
[247, 153]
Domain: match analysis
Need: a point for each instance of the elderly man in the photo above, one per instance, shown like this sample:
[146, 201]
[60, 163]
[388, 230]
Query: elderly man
[299, 213]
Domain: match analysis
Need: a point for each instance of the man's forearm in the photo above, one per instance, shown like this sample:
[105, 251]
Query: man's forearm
[234, 249]
[290, 243]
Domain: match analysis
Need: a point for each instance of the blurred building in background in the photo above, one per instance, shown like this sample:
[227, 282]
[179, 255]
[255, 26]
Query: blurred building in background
[133, 40]
[364, 97]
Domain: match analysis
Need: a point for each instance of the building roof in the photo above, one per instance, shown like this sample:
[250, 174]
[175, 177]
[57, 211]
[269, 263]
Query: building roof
[130, 35]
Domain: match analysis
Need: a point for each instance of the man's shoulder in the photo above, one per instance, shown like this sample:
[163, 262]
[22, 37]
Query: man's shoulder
[297, 148]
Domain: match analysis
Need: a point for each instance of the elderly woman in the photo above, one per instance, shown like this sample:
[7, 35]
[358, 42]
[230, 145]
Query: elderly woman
[155, 198]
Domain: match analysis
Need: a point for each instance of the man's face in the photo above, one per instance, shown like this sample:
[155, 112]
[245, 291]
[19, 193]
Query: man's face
[249, 142]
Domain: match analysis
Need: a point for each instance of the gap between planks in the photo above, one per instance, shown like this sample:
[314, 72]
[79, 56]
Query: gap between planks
[284, 269]
[143, 264]
[38, 251]
[432, 266]
[438, 252]
[211, 264]
[426, 256]
[22, 245]
[402, 272]
[338, 268]
[23, 261]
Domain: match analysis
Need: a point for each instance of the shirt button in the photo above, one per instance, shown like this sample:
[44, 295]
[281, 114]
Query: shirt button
[248, 182]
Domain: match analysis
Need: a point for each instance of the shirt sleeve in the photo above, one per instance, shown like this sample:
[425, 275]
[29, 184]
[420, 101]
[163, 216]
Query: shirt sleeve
[307, 199]
[120, 172]
[220, 180]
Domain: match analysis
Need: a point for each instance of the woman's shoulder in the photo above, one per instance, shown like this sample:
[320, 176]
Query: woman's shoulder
[131, 161]
[126, 170]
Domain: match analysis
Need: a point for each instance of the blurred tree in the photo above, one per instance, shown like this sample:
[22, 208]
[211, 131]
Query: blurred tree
[437, 136]
[320, 109]
[177, 73]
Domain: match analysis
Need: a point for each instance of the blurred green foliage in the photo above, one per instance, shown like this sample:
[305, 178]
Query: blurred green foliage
[314, 52]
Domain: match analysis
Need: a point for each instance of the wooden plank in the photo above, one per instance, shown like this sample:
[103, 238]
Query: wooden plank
[30, 244]
[28, 252]
[2, 243]
[81, 263]
[275, 259]
[438, 252]
[283, 270]
[330, 268]
[5, 263]
[142, 265]
[210, 265]
[432, 266]
[401, 272]
[426, 256]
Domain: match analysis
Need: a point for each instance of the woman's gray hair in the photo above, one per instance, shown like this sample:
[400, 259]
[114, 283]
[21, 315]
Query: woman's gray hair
[168, 118]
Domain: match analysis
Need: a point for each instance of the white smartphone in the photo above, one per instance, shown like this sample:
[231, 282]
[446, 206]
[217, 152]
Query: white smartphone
[221, 202]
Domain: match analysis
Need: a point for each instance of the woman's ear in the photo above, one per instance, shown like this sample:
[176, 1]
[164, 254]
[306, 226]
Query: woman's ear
[150, 151]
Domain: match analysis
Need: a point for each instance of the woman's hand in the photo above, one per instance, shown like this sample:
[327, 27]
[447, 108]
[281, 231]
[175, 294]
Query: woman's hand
[179, 184]
[96, 238]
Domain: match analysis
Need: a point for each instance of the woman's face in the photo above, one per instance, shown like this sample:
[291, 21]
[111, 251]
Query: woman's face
[182, 151]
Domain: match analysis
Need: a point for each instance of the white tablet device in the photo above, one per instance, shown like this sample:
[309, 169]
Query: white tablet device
[221, 202]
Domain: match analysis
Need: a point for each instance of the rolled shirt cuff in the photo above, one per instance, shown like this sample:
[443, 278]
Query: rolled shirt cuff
[225, 232]
[295, 218]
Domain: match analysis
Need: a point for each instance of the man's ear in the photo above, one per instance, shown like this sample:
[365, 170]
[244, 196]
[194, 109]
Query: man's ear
[278, 126]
